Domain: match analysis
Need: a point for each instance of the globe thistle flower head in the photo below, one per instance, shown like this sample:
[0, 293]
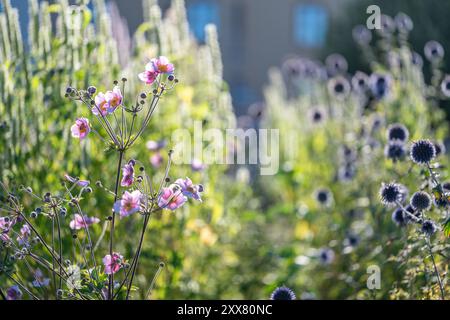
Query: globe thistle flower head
[293, 67]
[360, 82]
[429, 228]
[317, 115]
[395, 150]
[445, 86]
[408, 217]
[397, 131]
[352, 240]
[440, 148]
[326, 256]
[421, 201]
[346, 172]
[391, 193]
[434, 51]
[446, 186]
[416, 59]
[387, 25]
[323, 197]
[422, 152]
[380, 85]
[282, 293]
[403, 22]
[338, 87]
[336, 64]
[361, 35]
[399, 217]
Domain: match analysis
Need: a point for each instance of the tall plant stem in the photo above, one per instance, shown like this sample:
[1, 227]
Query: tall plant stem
[2, 294]
[436, 271]
[138, 253]
[111, 235]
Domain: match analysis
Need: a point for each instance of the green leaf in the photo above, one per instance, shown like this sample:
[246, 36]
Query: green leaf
[447, 228]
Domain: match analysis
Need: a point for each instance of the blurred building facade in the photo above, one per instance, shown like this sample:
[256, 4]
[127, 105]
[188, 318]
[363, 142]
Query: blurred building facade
[254, 34]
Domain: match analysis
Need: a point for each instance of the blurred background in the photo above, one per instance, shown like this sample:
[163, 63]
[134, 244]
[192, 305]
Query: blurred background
[258, 34]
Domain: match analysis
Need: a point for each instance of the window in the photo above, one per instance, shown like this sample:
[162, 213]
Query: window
[201, 13]
[310, 25]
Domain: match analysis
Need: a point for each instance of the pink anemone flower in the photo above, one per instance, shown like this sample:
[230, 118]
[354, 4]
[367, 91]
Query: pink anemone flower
[129, 204]
[112, 264]
[81, 128]
[128, 174]
[101, 106]
[80, 222]
[189, 189]
[171, 198]
[114, 99]
[81, 183]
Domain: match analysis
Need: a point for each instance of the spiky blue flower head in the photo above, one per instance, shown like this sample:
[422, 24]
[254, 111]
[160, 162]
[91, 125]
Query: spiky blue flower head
[417, 60]
[380, 85]
[407, 217]
[326, 255]
[317, 114]
[391, 193]
[403, 22]
[282, 293]
[445, 86]
[387, 25]
[446, 186]
[352, 239]
[336, 64]
[360, 82]
[422, 152]
[323, 196]
[362, 35]
[434, 51]
[429, 227]
[440, 148]
[346, 172]
[395, 150]
[399, 217]
[421, 201]
[397, 131]
[338, 87]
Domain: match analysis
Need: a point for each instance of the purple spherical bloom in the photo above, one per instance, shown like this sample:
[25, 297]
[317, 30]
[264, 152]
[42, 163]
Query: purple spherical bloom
[404, 22]
[189, 189]
[81, 128]
[282, 293]
[362, 35]
[129, 204]
[39, 279]
[416, 59]
[128, 174]
[360, 82]
[326, 256]
[445, 86]
[13, 293]
[380, 84]
[339, 87]
[434, 51]
[171, 198]
[113, 264]
[80, 222]
[81, 183]
[336, 64]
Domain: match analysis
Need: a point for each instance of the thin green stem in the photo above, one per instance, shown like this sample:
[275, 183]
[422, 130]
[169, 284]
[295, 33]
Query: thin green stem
[113, 220]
